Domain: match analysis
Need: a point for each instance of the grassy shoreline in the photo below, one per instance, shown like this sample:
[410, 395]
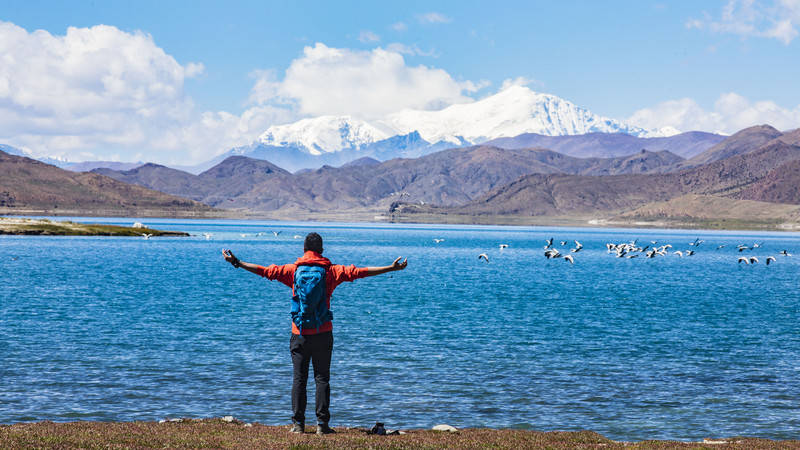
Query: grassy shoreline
[219, 433]
[45, 227]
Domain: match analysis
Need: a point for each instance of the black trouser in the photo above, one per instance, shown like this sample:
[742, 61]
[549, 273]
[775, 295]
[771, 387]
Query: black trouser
[315, 349]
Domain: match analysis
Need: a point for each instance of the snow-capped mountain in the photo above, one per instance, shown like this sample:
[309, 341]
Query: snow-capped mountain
[324, 134]
[13, 150]
[511, 112]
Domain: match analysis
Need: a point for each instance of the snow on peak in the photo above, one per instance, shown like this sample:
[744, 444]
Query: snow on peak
[324, 134]
[511, 112]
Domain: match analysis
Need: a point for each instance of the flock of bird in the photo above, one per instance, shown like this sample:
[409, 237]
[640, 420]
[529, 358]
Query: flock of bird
[208, 236]
[652, 250]
[633, 249]
[629, 250]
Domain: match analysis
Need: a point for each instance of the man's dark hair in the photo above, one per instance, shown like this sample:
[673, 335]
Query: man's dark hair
[313, 242]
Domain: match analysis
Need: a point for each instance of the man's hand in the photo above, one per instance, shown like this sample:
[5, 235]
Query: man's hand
[397, 265]
[228, 255]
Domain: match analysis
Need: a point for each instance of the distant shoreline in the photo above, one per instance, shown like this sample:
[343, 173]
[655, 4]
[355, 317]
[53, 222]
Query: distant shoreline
[366, 216]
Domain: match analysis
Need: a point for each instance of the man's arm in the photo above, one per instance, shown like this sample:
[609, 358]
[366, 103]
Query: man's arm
[396, 265]
[228, 255]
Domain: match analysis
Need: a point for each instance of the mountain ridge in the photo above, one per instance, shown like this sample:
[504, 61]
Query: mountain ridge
[28, 184]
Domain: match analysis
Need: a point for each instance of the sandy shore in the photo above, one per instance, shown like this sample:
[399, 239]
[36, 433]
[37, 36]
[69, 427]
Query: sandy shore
[218, 433]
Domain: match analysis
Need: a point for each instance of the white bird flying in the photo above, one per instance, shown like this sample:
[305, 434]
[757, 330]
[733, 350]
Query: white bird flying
[438, 240]
[552, 253]
[502, 246]
[742, 259]
[770, 258]
[570, 259]
[679, 253]
[484, 256]
[753, 260]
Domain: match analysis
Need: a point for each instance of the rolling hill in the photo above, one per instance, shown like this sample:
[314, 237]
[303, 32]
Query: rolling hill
[449, 177]
[769, 172]
[744, 141]
[30, 185]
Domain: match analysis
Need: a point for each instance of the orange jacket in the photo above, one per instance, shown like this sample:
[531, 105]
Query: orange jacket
[335, 274]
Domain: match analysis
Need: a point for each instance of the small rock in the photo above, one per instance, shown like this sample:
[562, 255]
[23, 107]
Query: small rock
[709, 441]
[170, 420]
[228, 419]
[248, 424]
[444, 427]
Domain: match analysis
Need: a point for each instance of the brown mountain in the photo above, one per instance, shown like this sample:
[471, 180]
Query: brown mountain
[612, 145]
[552, 195]
[449, 177]
[711, 207]
[644, 161]
[157, 177]
[754, 176]
[232, 177]
[27, 184]
[781, 185]
[744, 141]
[791, 137]
[728, 177]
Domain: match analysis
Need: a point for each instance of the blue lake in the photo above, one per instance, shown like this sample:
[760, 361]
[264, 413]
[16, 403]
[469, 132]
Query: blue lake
[103, 328]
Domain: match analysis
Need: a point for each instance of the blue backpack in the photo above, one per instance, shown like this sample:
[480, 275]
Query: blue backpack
[309, 307]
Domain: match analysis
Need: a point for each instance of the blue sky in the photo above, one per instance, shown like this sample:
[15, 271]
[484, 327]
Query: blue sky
[207, 75]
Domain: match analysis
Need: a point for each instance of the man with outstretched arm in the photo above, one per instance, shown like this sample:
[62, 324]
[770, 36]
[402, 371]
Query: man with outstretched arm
[312, 279]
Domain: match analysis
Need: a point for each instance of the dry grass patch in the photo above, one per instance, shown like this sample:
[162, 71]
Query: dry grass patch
[216, 433]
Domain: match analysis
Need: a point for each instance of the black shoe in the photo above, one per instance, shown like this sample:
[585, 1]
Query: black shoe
[297, 428]
[323, 428]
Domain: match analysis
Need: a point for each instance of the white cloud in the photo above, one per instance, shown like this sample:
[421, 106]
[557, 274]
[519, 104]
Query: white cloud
[783, 31]
[104, 93]
[731, 113]
[518, 81]
[433, 17]
[100, 92]
[368, 37]
[399, 26]
[412, 50]
[367, 84]
[778, 19]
